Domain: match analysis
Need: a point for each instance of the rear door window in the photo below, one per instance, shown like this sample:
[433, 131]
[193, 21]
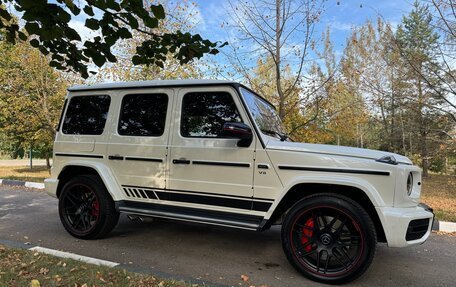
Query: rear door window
[143, 115]
[86, 115]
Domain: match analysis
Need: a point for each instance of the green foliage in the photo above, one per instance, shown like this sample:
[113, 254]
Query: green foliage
[169, 67]
[47, 26]
[264, 82]
[416, 35]
[417, 42]
[31, 97]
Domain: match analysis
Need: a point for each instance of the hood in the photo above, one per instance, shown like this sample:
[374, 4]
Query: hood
[334, 150]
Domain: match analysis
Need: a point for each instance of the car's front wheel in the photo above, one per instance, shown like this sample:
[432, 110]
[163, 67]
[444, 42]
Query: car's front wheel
[329, 238]
[86, 209]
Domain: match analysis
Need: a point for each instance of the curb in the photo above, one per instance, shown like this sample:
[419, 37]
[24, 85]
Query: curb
[28, 184]
[444, 226]
[437, 225]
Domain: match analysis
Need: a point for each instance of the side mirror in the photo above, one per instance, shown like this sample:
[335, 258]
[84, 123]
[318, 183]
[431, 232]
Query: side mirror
[239, 131]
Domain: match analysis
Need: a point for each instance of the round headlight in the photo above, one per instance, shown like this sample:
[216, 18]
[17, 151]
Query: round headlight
[409, 184]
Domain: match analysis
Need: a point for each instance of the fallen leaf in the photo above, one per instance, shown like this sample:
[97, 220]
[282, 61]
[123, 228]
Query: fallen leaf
[245, 278]
[44, 271]
[35, 283]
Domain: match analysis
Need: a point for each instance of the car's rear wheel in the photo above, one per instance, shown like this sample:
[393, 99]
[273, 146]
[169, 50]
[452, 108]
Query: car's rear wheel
[329, 238]
[86, 209]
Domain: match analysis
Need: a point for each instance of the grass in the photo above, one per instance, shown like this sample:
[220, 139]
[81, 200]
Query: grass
[439, 192]
[37, 174]
[27, 268]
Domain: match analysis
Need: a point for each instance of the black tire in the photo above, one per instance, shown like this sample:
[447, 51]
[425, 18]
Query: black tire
[86, 208]
[329, 238]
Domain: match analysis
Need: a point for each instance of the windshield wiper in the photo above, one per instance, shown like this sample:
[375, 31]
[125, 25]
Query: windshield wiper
[282, 137]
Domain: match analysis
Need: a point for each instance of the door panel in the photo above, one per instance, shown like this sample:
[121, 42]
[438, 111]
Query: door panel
[138, 144]
[210, 165]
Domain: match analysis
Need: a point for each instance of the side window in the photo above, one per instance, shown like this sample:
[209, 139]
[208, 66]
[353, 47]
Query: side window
[86, 115]
[143, 115]
[204, 113]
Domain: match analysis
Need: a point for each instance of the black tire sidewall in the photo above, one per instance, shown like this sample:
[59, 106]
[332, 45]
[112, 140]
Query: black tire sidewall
[351, 208]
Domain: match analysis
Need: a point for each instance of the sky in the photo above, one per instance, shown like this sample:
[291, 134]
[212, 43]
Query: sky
[339, 15]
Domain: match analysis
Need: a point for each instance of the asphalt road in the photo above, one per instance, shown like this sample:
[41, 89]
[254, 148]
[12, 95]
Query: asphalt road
[212, 254]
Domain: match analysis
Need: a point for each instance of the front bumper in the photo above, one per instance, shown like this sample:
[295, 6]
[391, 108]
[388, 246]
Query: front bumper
[50, 185]
[406, 226]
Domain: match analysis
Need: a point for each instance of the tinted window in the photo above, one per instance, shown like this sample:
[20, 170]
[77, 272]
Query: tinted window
[143, 115]
[263, 113]
[204, 113]
[86, 115]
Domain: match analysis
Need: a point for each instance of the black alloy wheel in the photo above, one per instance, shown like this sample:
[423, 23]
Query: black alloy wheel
[329, 238]
[86, 209]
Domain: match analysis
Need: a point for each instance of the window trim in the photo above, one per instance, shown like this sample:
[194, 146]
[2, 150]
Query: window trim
[142, 94]
[83, 96]
[60, 123]
[206, 137]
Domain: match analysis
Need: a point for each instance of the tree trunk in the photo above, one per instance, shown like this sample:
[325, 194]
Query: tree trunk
[48, 159]
[48, 162]
[424, 155]
[422, 131]
[278, 33]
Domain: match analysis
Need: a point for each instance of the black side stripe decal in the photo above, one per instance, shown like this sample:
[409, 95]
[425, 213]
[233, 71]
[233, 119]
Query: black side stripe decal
[202, 193]
[247, 203]
[143, 159]
[212, 200]
[236, 164]
[337, 170]
[79, 155]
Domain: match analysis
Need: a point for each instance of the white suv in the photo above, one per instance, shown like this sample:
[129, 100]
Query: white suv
[215, 152]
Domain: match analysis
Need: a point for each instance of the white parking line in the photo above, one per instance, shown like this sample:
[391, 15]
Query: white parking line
[69, 255]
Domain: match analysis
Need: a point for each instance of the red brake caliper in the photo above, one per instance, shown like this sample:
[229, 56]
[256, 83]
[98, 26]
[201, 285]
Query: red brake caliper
[307, 232]
[95, 208]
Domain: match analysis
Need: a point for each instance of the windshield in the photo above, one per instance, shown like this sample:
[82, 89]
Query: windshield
[264, 115]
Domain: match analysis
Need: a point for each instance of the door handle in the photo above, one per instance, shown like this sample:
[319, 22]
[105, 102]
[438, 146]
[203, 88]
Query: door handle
[181, 161]
[115, 157]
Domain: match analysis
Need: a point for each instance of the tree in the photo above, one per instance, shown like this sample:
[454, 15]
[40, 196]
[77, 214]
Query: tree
[372, 66]
[179, 18]
[417, 41]
[263, 81]
[444, 21]
[406, 113]
[47, 28]
[31, 98]
[280, 33]
[342, 115]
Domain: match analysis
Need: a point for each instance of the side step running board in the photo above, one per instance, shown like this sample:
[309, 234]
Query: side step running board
[235, 220]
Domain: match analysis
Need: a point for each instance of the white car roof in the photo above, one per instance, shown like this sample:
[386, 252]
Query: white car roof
[143, 84]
